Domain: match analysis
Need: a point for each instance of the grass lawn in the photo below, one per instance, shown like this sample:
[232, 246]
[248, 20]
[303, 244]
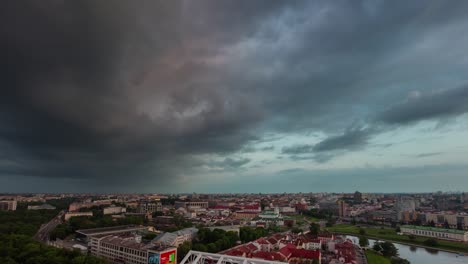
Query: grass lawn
[303, 217]
[375, 258]
[390, 234]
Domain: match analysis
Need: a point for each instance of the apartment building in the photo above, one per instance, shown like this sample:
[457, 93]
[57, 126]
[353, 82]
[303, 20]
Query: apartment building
[8, 205]
[129, 249]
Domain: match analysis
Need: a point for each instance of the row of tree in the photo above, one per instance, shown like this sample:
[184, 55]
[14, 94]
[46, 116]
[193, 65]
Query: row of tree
[218, 240]
[248, 234]
[18, 246]
[209, 241]
[23, 249]
[386, 249]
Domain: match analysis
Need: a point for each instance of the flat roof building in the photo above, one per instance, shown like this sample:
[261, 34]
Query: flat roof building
[111, 230]
[128, 248]
[440, 233]
[75, 214]
[41, 207]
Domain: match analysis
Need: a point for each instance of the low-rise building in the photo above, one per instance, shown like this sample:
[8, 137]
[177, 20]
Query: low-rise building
[191, 204]
[176, 238]
[41, 207]
[114, 210]
[86, 234]
[440, 233]
[75, 214]
[8, 205]
[88, 204]
[128, 248]
[244, 215]
[149, 206]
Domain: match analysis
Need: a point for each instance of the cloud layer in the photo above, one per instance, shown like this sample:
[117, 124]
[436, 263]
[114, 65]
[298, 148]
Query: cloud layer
[160, 90]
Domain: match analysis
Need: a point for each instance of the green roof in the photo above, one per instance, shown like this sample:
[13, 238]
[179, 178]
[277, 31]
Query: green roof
[435, 229]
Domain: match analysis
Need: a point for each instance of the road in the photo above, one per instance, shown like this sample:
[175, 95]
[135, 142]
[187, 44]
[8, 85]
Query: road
[44, 231]
[360, 255]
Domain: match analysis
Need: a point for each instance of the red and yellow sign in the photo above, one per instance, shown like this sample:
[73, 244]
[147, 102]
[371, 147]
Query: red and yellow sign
[168, 257]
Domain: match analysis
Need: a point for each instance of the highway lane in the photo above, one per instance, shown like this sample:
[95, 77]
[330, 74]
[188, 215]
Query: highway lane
[44, 231]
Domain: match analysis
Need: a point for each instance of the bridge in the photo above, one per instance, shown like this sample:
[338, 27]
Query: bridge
[197, 257]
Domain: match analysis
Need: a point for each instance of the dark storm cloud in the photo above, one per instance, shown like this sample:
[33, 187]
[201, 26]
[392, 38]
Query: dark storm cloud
[325, 150]
[298, 149]
[447, 103]
[350, 140]
[341, 58]
[75, 74]
[425, 155]
[133, 90]
[228, 164]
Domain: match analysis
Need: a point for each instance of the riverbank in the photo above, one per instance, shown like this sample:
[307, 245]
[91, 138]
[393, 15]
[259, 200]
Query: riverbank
[390, 235]
[374, 258]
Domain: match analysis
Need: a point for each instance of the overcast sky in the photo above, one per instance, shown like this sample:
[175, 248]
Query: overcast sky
[233, 96]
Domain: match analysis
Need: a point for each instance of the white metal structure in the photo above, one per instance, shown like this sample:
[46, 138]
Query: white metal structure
[197, 257]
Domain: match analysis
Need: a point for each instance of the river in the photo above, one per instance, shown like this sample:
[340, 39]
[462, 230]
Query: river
[418, 255]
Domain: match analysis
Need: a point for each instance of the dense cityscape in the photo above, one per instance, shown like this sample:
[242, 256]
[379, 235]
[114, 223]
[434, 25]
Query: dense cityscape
[302, 228]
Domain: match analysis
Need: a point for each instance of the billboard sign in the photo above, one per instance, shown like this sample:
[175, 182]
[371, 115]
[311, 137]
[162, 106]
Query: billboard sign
[153, 258]
[168, 257]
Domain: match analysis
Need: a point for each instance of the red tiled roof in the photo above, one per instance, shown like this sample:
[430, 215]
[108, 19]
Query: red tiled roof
[244, 249]
[221, 207]
[252, 247]
[268, 255]
[272, 240]
[242, 212]
[286, 252]
[346, 250]
[252, 207]
[303, 253]
[278, 236]
[235, 252]
[262, 241]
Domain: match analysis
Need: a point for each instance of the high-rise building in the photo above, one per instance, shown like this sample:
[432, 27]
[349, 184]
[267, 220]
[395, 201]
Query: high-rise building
[404, 204]
[342, 208]
[357, 197]
[8, 205]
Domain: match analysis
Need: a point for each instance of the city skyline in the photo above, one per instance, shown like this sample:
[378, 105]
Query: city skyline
[234, 97]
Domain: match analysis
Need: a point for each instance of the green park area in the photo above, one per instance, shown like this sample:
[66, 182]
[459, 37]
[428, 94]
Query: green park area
[390, 234]
[17, 245]
[375, 258]
[300, 219]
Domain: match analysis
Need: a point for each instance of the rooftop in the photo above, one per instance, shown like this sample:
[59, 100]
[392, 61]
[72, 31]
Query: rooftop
[436, 229]
[108, 230]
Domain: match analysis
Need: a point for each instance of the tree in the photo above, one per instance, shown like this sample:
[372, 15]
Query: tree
[399, 261]
[296, 230]
[431, 223]
[386, 248]
[363, 241]
[248, 234]
[446, 224]
[412, 237]
[431, 242]
[314, 229]
[362, 231]
[157, 213]
[149, 236]
[183, 249]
